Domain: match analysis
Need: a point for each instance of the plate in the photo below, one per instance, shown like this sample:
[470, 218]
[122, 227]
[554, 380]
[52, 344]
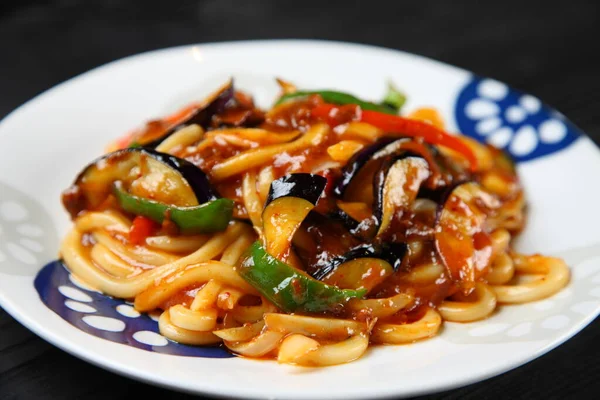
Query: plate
[46, 142]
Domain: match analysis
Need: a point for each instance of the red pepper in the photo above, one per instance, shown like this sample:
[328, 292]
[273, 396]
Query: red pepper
[141, 228]
[395, 124]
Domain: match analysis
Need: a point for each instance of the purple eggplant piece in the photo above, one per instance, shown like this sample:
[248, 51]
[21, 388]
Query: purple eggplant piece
[194, 176]
[383, 174]
[388, 151]
[393, 253]
[350, 223]
[76, 198]
[384, 148]
[305, 186]
[201, 116]
[356, 162]
[451, 176]
[286, 207]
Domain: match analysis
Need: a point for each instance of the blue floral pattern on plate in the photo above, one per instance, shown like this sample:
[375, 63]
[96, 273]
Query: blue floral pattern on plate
[491, 112]
[108, 318]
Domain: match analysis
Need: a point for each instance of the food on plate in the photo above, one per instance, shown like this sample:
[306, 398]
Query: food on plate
[305, 232]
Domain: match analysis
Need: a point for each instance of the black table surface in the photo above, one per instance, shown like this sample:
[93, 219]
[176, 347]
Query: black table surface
[549, 49]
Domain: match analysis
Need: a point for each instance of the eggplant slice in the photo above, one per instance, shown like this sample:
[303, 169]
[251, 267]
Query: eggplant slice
[202, 115]
[142, 172]
[320, 239]
[305, 186]
[391, 253]
[396, 186]
[460, 237]
[356, 162]
[389, 147]
[290, 200]
[390, 191]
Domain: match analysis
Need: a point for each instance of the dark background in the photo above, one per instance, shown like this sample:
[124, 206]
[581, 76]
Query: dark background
[549, 49]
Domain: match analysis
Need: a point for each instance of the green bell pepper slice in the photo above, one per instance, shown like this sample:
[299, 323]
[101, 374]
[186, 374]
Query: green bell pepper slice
[394, 99]
[213, 216]
[340, 98]
[288, 288]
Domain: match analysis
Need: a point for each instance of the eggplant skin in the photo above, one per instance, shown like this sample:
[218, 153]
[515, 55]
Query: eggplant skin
[387, 147]
[76, 200]
[340, 215]
[358, 161]
[379, 181]
[194, 176]
[201, 116]
[305, 186]
[441, 196]
[393, 253]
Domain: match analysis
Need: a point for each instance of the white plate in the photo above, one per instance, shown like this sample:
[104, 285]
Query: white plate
[48, 140]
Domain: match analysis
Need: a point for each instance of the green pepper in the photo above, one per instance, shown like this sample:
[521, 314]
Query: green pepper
[212, 216]
[339, 98]
[394, 99]
[288, 288]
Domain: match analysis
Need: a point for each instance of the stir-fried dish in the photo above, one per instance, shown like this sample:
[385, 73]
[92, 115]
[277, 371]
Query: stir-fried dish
[304, 232]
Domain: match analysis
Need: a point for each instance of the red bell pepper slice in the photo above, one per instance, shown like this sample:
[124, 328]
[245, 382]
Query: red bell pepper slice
[395, 124]
[141, 228]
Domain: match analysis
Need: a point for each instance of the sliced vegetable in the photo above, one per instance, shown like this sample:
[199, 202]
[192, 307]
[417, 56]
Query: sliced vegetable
[380, 157]
[356, 162]
[339, 98]
[320, 239]
[394, 98]
[428, 132]
[460, 238]
[386, 147]
[361, 273]
[396, 185]
[305, 186]
[201, 114]
[142, 172]
[289, 201]
[141, 228]
[213, 216]
[406, 127]
[365, 266]
[449, 170]
[416, 146]
[351, 223]
[288, 288]
[357, 210]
